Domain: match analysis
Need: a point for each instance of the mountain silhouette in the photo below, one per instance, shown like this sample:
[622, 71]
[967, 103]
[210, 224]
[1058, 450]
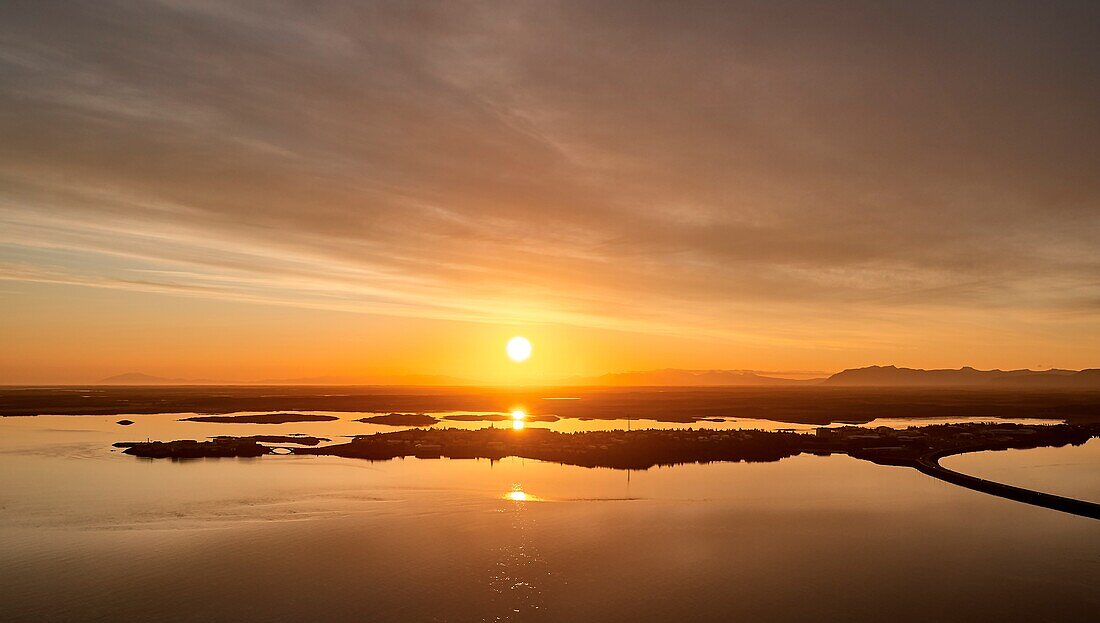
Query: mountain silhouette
[673, 377]
[140, 378]
[893, 376]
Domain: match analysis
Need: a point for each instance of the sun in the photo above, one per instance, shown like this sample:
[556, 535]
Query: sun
[518, 348]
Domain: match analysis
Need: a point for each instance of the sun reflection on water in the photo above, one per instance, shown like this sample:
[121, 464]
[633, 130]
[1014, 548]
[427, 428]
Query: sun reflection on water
[518, 576]
[518, 417]
[517, 494]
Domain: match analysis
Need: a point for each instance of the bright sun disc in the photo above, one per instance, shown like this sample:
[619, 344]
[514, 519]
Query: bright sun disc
[518, 348]
[517, 419]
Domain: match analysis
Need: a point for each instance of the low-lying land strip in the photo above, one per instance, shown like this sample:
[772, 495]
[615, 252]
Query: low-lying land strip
[261, 418]
[917, 447]
[400, 419]
[809, 405]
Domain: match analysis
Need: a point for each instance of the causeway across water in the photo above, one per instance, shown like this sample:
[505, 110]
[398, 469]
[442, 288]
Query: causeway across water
[930, 465]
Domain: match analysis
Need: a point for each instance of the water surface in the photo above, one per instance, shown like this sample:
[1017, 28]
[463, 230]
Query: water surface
[91, 534]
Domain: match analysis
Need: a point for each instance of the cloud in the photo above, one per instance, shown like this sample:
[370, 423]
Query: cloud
[713, 167]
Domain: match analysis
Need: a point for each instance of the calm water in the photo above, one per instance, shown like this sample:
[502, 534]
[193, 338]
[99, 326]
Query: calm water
[91, 534]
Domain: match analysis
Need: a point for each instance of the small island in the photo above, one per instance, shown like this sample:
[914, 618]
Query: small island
[401, 419]
[261, 418]
[191, 449]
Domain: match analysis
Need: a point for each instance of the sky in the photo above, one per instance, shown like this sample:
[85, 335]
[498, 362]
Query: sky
[246, 190]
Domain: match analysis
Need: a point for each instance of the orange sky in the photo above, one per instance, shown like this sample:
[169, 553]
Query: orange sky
[222, 191]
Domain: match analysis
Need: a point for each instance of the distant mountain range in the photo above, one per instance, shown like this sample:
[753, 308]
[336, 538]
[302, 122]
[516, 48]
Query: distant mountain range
[872, 376]
[892, 376]
[672, 377]
[139, 378]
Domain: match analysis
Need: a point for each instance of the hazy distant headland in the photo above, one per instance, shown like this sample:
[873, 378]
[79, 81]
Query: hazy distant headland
[870, 376]
[140, 378]
[673, 377]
